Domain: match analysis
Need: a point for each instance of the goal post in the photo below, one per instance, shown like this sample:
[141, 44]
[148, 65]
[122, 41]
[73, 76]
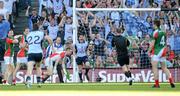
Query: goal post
[75, 70]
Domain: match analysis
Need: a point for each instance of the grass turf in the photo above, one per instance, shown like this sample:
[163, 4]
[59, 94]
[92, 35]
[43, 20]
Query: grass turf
[92, 87]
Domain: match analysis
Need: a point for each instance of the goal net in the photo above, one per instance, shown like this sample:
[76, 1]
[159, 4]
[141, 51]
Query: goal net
[99, 25]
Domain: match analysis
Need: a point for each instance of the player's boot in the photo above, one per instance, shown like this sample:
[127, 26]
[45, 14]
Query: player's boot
[130, 81]
[172, 85]
[14, 82]
[154, 86]
[87, 77]
[4, 82]
[81, 81]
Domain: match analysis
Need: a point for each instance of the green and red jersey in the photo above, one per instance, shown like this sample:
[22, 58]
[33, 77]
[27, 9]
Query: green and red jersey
[22, 52]
[9, 47]
[160, 42]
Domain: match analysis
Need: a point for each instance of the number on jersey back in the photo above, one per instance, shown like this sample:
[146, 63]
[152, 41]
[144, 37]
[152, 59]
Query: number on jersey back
[160, 40]
[34, 40]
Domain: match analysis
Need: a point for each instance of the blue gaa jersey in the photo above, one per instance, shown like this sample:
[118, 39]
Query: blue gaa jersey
[34, 40]
[81, 49]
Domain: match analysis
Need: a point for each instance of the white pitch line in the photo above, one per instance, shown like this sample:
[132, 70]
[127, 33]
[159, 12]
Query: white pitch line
[93, 84]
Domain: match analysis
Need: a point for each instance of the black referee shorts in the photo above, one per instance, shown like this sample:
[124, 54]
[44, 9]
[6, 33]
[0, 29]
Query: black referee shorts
[123, 60]
[37, 57]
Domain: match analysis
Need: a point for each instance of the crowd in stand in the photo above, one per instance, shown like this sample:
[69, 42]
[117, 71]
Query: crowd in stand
[127, 3]
[55, 19]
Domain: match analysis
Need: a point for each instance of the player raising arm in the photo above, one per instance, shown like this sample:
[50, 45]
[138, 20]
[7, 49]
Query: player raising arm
[158, 53]
[82, 58]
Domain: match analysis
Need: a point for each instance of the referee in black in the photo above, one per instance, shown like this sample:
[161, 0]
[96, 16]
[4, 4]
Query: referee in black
[121, 43]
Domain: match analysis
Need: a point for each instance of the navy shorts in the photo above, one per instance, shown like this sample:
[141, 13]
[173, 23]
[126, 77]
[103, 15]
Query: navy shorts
[81, 60]
[37, 57]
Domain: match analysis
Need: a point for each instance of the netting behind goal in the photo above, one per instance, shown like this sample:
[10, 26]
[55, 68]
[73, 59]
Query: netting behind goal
[138, 27]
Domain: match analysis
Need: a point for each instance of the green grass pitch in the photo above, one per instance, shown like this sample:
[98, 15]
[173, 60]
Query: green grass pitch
[92, 87]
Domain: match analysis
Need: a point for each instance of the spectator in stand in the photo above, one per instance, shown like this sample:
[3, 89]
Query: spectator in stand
[99, 49]
[170, 54]
[79, 4]
[177, 61]
[85, 27]
[174, 21]
[4, 27]
[109, 37]
[45, 4]
[130, 3]
[32, 18]
[44, 22]
[170, 39]
[3, 10]
[150, 26]
[115, 17]
[87, 4]
[53, 29]
[144, 58]
[8, 5]
[58, 6]
[66, 22]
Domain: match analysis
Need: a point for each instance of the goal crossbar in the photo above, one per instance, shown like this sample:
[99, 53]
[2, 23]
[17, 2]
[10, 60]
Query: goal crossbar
[127, 9]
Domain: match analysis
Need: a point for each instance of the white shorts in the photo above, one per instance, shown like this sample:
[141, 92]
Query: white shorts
[8, 60]
[158, 58]
[22, 60]
[49, 61]
[161, 56]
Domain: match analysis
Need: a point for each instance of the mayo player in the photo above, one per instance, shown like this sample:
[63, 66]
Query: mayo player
[9, 54]
[58, 58]
[35, 54]
[158, 50]
[21, 55]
